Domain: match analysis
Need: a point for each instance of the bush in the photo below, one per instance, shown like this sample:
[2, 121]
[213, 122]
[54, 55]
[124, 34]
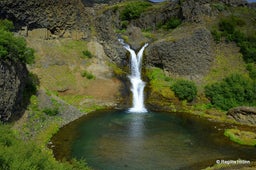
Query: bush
[133, 10]
[51, 111]
[87, 54]
[248, 49]
[88, 75]
[6, 25]
[229, 24]
[185, 90]
[219, 6]
[216, 35]
[172, 23]
[17, 154]
[251, 67]
[235, 90]
[14, 48]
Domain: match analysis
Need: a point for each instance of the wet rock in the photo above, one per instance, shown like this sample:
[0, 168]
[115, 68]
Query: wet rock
[243, 114]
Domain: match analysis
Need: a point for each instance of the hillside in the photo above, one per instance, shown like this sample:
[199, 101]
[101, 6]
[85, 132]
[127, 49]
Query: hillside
[80, 66]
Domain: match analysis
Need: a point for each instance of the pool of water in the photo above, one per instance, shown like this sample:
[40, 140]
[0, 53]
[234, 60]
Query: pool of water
[121, 140]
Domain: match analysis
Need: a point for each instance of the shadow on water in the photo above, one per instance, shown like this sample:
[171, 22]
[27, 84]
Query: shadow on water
[122, 140]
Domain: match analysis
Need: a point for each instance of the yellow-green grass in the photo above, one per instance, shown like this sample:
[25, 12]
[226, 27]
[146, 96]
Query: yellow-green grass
[57, 78]
[241, 137]
[227, 61]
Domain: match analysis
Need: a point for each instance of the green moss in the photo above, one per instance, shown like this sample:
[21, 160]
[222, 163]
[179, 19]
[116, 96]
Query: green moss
[241, 137]
[117, 70]
[159, 82]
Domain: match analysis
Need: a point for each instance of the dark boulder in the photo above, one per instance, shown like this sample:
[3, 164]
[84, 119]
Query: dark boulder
[243, 114]
[13, 79]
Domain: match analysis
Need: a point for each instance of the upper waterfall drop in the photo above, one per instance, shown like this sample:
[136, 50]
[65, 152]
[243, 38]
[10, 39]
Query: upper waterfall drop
[138, 85]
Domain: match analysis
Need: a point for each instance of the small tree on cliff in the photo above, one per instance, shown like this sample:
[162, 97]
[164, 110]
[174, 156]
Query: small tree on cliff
[13, 48]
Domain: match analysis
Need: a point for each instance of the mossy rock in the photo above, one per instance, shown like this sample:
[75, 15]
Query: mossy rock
[242, 137]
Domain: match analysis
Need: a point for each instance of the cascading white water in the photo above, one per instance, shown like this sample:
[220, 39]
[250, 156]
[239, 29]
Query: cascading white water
[135, 79]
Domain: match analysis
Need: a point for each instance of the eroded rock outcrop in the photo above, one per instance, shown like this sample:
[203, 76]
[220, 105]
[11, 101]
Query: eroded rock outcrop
[243, 114]
[13, 78]
[189, 56]
[54, 15]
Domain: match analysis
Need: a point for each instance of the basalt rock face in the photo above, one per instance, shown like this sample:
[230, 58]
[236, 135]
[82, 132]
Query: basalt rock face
[159, 16]
[51, 14]
[189, 56]
[105, 25]
[235, 2]
[243, 114]
[13, 78]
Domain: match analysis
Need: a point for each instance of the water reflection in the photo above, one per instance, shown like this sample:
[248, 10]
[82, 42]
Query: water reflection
[121, 140]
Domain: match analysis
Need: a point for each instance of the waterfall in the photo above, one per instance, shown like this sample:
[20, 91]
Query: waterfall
[138, 85]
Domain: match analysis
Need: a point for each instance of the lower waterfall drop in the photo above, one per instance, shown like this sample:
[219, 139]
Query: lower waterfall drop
[138, 85]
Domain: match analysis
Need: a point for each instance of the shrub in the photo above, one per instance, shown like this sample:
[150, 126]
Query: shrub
[17, 154]
[219, 6]
[216, 35]
[88, 75]
[251, 67]
[51, 111]
[87, 54]
[172, 23]
[185, 90]
[6, 25]
[233, 91]
[14, 48]
[133, 10]
[229, 24]
[248, 49]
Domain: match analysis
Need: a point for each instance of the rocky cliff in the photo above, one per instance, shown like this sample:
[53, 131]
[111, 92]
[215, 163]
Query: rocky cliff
[54, 15]
[187, 56]
[13, 78]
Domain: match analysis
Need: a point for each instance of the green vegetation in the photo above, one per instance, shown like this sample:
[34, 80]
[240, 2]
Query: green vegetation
[133, 10]
[82, 102]
[18, 154]
[13, 48]
[241, 137]
[88, 75]
[6, 25]
[171, 23]
[251, 67]
[230, 28]
[51, 111]
[219, 6]
[87, 54]
[159, 82]
[117, 71]
[185, 90]
[235, 90]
